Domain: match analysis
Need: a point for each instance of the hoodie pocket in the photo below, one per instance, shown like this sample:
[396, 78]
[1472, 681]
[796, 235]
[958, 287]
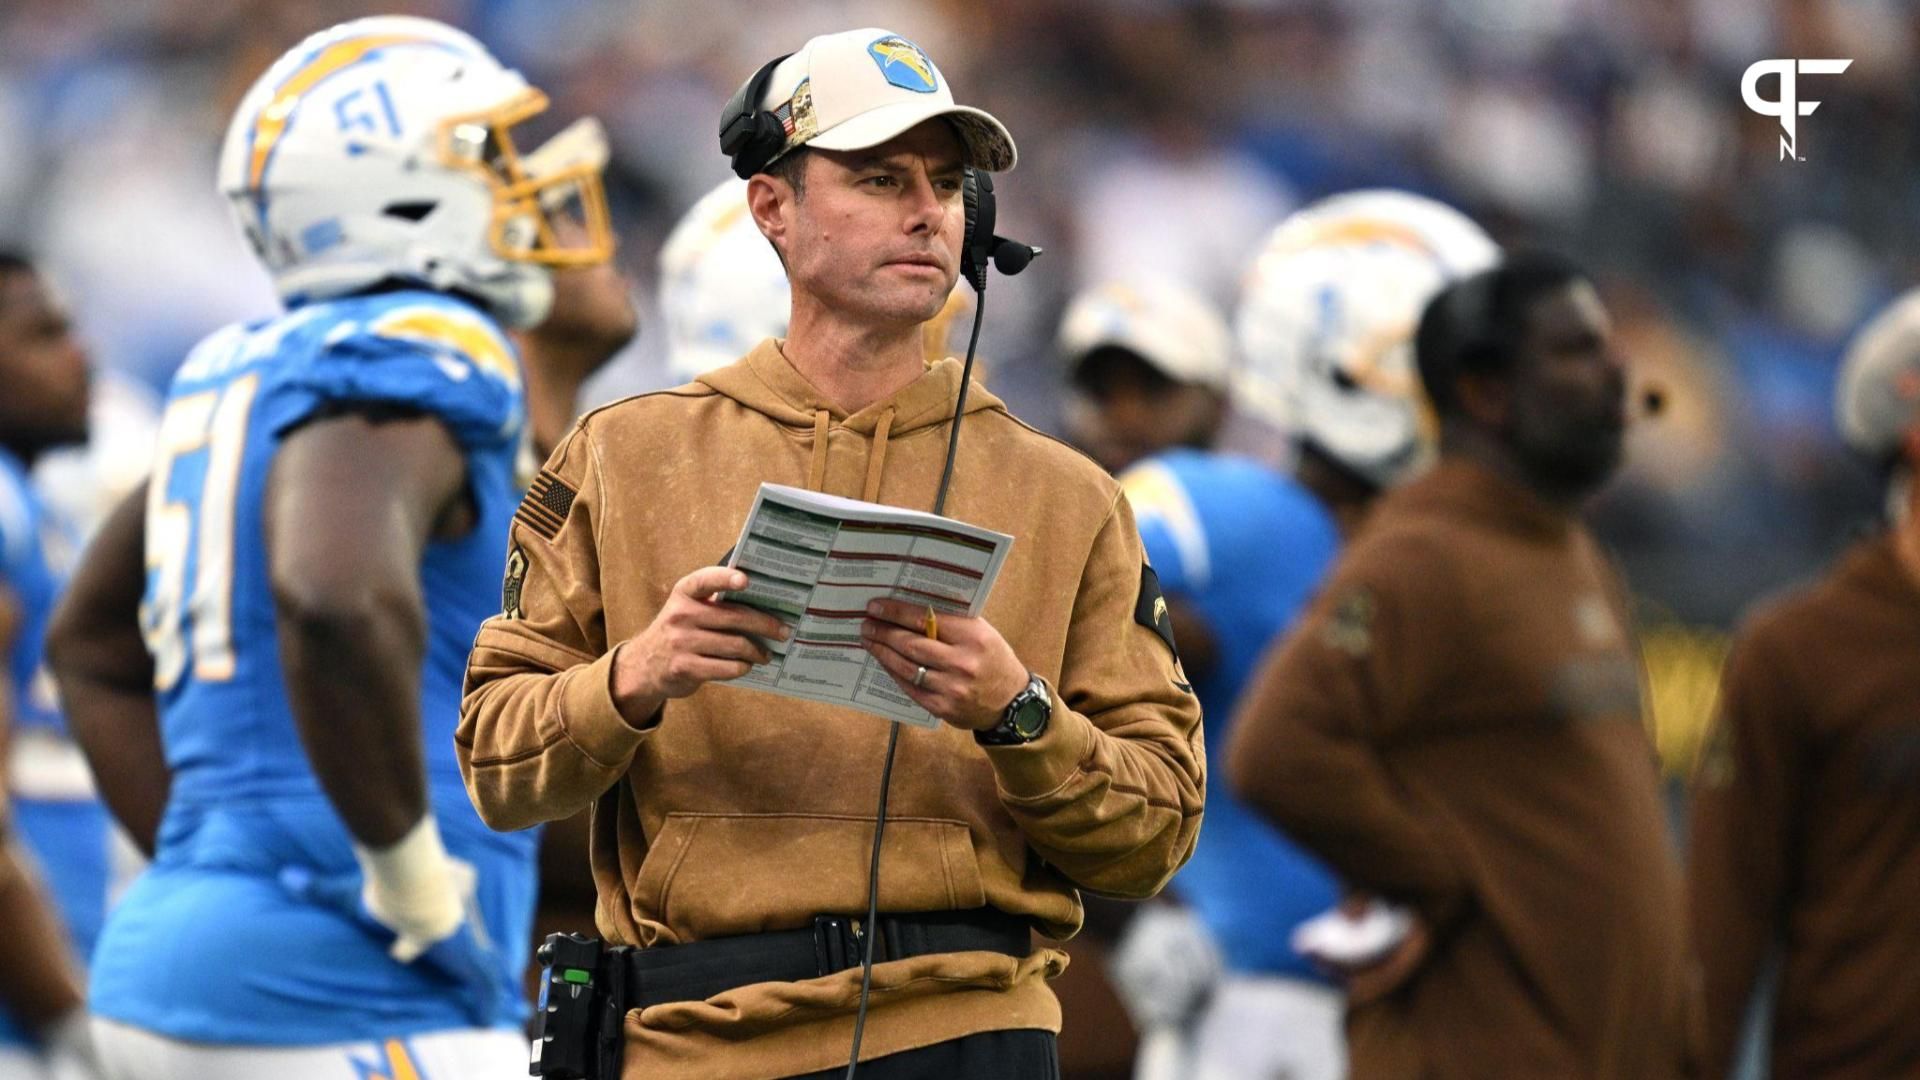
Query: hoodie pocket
[708, 875]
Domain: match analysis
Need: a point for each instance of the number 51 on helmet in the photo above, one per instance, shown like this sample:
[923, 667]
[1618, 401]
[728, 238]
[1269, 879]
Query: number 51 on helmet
[383, 150]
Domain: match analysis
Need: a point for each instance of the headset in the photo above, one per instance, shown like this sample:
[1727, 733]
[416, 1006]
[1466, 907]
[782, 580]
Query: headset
[750, 135]
[752, 138]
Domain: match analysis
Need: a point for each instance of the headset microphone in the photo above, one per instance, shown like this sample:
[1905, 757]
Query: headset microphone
[981, 246]
[1010, 256]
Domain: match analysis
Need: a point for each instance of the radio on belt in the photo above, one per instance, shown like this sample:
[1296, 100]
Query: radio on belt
[582, 983]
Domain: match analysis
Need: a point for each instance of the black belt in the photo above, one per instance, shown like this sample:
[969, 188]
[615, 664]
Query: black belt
[698, 970]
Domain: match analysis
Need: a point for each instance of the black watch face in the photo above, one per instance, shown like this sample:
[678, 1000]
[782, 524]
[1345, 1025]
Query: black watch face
[1031, 715]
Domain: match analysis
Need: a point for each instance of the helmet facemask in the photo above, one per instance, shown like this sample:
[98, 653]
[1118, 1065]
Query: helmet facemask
[549, 205]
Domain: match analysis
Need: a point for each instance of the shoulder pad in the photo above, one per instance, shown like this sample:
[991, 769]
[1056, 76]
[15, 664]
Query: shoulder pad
[452, 330]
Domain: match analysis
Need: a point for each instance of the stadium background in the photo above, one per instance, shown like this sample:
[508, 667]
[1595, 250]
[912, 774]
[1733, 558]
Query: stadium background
[1165, 137]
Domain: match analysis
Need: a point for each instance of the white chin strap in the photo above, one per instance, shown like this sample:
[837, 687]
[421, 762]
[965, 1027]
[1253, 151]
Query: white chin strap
[519, 294]
[526, 301]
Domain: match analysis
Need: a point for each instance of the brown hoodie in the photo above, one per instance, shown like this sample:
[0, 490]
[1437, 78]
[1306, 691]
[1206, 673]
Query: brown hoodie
[733, 811]
[1806, 826]
[1457, 725]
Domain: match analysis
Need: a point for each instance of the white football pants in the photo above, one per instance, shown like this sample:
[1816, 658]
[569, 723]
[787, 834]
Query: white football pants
[1271, 1029]
[131, 1053]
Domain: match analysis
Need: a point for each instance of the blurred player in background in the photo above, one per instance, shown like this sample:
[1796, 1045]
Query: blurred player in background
[324, 530]
[1325, 327]
[1149, 365]
[722, 288]
[82, 484]
[1806, 801]
[54, 869]
[1456, 724]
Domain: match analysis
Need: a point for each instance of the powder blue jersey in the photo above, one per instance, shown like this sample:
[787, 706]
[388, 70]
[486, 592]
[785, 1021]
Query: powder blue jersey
[54, 809]
[1247, 548]
[211, 944]
[36, 551]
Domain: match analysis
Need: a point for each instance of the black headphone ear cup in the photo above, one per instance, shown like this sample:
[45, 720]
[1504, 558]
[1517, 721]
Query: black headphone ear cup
[976, 246]
[766, 142]
[969, 202]
[749, 135]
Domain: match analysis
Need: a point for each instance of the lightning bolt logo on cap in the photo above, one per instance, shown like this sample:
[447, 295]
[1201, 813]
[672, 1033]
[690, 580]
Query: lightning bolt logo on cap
[903, 64]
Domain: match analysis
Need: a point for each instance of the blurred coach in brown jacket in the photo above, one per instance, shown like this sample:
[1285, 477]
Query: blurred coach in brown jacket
[727, 821]
[1806, 803]
[1457, 724]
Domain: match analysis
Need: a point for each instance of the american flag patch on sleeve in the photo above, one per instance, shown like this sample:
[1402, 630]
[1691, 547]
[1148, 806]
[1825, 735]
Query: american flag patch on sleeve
[545, 508]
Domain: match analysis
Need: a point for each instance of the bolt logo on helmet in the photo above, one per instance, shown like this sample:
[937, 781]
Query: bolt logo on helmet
[904, 65]
[382, 150]
[1326, 323]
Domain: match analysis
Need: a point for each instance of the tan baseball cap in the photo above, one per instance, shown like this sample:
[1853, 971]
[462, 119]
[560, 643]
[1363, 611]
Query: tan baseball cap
[859, 88]
[1878, 396]
[1169, 326]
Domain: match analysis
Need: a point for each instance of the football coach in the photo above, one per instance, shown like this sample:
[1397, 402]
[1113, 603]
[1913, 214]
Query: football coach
[732, 828]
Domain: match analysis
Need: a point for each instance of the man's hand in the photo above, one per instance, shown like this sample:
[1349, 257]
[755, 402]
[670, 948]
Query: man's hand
[423, 902]
[696, 639]
[416, 889]
[971, 674]
[1371, 946]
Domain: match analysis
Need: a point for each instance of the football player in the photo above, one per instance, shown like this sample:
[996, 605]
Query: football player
[1324, 327]
[722, 288]
[53, 831]
[322, 533]
[1149, 365]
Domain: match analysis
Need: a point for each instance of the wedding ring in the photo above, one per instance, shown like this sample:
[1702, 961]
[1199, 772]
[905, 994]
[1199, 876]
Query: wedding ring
[920, 675]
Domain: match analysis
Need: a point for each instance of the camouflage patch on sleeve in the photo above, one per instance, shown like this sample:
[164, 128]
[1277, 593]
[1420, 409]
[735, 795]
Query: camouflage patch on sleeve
[1350, 628]
[510, 586]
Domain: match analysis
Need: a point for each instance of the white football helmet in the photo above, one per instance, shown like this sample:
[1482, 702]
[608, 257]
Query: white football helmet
[722, 288]
[1326, 322]
[382, 149]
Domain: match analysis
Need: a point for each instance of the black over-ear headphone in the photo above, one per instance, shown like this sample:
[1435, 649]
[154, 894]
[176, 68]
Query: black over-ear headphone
[752, 137]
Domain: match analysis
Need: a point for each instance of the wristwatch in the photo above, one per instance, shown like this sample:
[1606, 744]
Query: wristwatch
[1025, 719]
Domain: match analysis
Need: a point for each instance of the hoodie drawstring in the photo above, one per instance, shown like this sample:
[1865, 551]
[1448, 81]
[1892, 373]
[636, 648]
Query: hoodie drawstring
[877, 457]
[817, 472]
